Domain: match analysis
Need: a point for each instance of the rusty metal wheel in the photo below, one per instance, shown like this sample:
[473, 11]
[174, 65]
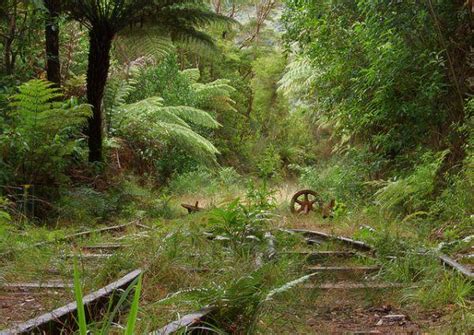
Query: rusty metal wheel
[305, 201]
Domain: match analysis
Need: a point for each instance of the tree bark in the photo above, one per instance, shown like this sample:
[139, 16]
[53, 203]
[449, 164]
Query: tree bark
[100, 42]
[53, 66]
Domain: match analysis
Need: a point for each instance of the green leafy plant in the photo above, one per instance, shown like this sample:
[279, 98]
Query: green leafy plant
[81, 314]
[242, 225]
[411, 193]
[41, 134]
[153, 124]
[269, 165]
[109, 317]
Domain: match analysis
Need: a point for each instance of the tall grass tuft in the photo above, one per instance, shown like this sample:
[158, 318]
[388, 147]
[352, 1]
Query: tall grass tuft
[132, 317]
[81, 314]
[111, 314]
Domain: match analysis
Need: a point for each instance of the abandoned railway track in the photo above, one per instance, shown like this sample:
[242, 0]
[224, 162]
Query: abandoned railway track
[334, 266]
[44, 304]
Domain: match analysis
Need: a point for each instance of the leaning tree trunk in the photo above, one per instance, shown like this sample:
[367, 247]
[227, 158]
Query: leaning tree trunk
[100, 42]
[53, 67]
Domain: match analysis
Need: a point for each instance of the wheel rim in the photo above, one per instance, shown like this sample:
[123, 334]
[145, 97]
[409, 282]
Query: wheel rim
[304, 201]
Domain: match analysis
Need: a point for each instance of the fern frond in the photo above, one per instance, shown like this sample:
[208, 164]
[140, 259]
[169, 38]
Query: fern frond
[148, 41]
[192, 74]
[299, 77]
[37, 109]
[193, 115]
[215, 95]
[154, 123]
[191, 140]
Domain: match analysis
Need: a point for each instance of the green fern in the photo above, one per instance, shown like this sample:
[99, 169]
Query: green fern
[215, 95]
[299, 77]
[41, 131]
[211, 96]
[132, 44]
[36, 109]
[154, 124]
[150, 125]
[412, 193]
[192, 74]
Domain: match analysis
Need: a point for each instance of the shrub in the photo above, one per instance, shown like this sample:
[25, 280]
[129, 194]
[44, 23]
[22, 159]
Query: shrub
[38, 135]
[204, 181]
[412, 193]
[269, 165]
[343, 180]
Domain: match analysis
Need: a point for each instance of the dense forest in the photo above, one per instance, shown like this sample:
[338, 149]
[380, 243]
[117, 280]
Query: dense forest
[116, 114]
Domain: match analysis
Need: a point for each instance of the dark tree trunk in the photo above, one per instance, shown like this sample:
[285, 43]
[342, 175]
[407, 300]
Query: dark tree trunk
[7, 58]
[53, 66]
[100, 42]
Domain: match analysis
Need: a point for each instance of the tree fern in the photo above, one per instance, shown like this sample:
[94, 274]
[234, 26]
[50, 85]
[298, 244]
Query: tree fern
[41, 131]
[149, 125]
[149, 122]
[192, 74]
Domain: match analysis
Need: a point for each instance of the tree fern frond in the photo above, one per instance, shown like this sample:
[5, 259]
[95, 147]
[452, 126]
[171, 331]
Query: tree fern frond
[193, 115]
[215, 95]
[196, 17]
[148, 41]
[189, 35]
[192, 74]
[191, 140]
[150, 111]
[152, 122]
[299, 77]
[117, 92]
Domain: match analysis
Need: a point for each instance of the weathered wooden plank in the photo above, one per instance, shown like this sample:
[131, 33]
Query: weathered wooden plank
[343, 268]
[35, 285]
[62, 320]
[96, 231]
[73, 236]
[105, 246]
[184, 323]
[455, 265]
[88, 256]
[311, 234]
[354, 286]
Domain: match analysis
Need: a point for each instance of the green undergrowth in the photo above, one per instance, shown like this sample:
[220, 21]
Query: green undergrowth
[220, 256]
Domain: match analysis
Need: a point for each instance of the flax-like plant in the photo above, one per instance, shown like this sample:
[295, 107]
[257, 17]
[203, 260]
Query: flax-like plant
[136, 285]
[81, 314]
[132, 317]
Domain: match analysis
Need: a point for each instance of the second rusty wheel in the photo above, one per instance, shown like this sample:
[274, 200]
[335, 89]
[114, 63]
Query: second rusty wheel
[305, 201]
